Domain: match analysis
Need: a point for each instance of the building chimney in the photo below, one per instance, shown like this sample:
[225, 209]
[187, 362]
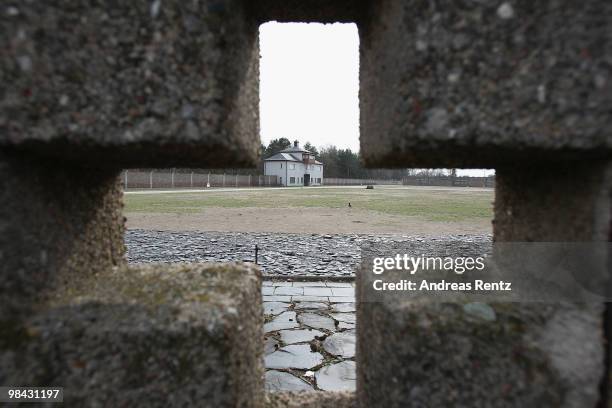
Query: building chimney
[296, 143]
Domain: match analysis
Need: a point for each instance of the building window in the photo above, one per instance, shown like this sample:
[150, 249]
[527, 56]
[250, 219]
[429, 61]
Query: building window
[281, 165]
[292, 166]
[281, 180]
[291, 180]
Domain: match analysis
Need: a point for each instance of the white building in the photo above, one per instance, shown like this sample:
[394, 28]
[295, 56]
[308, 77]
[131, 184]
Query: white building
[295, 167]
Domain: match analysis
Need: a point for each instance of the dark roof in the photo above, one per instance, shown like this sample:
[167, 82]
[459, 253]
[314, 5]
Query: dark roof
[289, 154]
[286, 157]
[283, 157]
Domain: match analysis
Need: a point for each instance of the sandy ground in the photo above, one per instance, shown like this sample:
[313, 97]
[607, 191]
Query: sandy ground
[302, 220]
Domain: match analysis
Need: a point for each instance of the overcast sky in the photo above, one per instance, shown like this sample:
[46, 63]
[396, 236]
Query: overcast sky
[309, 84]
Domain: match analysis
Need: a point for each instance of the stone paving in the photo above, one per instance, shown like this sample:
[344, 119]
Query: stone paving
[280, 254]
[310, 326]
[309, 335]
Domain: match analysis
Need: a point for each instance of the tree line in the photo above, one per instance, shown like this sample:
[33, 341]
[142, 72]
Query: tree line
[345, 163]
[337, 163]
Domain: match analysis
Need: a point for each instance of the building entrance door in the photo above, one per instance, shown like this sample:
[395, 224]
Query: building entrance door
[306, 179]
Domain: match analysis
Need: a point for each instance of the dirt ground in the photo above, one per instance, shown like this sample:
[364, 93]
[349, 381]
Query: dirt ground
[302, 220]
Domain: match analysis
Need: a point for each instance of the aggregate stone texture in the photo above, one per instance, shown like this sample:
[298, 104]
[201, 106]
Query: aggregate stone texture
[282, 255]
[483, 83]
[58, 224]
[316, 342]
[340, 399]
[149, 336]
[516, 354]
[138, 83]
[578, 194]
[315, 11]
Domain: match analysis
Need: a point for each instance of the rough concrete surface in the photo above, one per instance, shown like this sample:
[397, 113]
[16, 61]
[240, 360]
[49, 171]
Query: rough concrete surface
[57, 225]
[310, 400]
[435, 349]
[437, 354]
[185, 335]
[482, 84]
[565, 202]
[316, 11]
[107, 85]
[140, 82]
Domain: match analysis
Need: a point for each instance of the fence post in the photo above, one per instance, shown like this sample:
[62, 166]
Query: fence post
[191, 180]
[250, 181]
[172, 179]
[223, 185]
[208, 181]
[151, 179]
[125, 184]
[236, 180]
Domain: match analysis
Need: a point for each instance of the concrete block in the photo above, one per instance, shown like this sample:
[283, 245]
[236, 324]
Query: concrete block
[58, 224]
[566, 202]
[154, 336]
[569, 201]
[310, 400]
[482, 84]
[128, 84]
[442, 349]
[314, 11]
[426, 354]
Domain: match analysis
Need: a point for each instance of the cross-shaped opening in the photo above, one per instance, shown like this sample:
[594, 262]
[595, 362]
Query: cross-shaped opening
[306, 208]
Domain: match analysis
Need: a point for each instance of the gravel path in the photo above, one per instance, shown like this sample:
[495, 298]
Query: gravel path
[279, 255]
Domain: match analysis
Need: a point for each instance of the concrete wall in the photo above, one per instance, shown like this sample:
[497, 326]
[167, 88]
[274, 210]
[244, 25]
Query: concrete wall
[89, 88]
[196, 179]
